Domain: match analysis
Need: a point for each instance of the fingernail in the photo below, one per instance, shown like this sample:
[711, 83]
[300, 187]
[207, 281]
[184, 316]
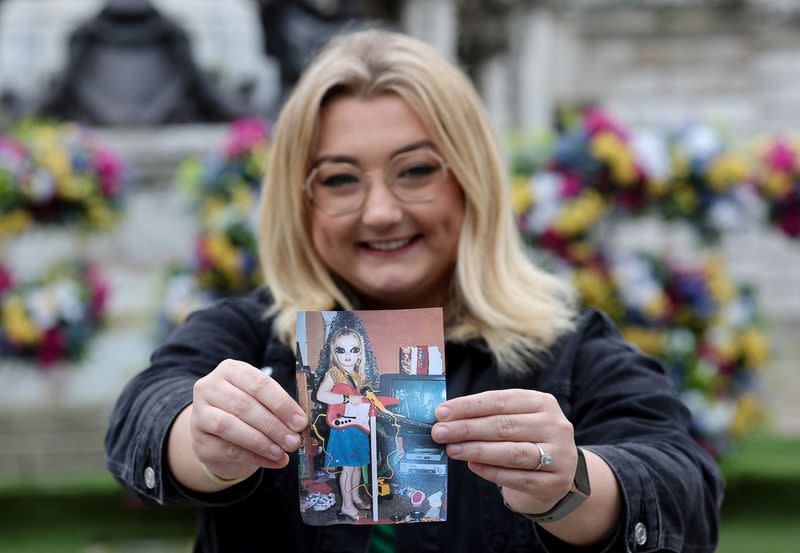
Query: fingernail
[299, 422]
[442, 413]
[291, 440]
[454, 449]
[275, 450]
[440, 432]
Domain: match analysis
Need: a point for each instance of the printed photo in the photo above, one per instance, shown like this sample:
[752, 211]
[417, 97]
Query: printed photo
[370, 382]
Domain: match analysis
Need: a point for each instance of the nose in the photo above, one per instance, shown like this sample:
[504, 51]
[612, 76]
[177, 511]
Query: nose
[381, 207]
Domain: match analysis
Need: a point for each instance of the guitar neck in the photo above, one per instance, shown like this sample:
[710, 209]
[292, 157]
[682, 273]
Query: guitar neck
[404, 422]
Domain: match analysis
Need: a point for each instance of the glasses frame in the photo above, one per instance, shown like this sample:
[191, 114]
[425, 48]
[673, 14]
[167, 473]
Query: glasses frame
[344, 350]
[310, 196]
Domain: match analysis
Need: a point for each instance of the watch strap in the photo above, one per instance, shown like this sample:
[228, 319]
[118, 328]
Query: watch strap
[577, 494]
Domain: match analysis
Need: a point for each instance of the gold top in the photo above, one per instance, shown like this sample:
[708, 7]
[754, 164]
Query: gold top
[339, 377]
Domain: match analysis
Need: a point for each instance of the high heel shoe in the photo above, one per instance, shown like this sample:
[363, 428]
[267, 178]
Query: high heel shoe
[361, 504]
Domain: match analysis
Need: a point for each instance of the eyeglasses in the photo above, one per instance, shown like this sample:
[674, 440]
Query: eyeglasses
[339, 188]
[340, 350]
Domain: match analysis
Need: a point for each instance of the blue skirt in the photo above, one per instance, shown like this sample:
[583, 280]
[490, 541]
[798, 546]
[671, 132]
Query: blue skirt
[348, 447]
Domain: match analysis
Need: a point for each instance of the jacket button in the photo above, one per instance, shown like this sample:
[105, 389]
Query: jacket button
[149, 478]
[640, 533]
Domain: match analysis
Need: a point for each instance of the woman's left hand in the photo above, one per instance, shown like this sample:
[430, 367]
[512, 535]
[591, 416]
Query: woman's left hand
[496, 432]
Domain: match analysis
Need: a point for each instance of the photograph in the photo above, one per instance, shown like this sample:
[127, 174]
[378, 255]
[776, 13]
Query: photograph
[370, 383]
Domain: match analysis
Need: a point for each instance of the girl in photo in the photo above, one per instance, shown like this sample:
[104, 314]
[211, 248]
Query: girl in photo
[347, 447]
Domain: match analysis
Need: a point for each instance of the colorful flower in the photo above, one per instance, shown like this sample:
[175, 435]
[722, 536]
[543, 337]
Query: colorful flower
[52, 318]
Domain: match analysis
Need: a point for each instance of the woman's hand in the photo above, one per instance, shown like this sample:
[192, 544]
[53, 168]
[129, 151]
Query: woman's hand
[356, 400]
[241, 419]
[496, 432]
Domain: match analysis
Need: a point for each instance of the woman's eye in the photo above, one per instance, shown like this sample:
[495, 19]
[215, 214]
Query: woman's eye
[417, 171]
[341, 179]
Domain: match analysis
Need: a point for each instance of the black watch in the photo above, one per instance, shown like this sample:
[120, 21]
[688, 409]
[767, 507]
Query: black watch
[576, 495]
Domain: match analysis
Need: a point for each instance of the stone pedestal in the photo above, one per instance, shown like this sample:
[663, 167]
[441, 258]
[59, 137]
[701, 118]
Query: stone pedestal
[434, 22]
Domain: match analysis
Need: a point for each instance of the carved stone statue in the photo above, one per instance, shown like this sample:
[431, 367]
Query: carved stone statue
[130, 65]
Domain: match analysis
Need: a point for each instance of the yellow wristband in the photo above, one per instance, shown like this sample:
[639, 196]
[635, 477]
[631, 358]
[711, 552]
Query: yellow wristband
[222, 481]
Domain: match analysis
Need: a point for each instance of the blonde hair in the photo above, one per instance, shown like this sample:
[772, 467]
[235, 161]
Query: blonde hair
[497, 294]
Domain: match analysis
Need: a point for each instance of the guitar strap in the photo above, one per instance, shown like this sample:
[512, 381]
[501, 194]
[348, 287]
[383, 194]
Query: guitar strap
[352, 381]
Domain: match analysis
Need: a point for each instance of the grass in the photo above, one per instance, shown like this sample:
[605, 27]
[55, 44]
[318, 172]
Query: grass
[761, 512]
[90, 514]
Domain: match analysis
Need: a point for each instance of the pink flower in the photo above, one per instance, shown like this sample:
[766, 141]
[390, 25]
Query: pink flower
[571, 186]
[6, 282]
[244, 135]
[52, 348]
[201, 253]
[99, 292]
[790, 222]
[109, 169]
[780, 157]
[596, 120]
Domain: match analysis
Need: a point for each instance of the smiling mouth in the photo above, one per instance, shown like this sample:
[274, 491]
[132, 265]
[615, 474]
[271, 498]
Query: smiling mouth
[390, 246]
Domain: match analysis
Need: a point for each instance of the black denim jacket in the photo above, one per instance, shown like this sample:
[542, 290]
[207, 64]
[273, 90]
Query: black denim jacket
[621, 405]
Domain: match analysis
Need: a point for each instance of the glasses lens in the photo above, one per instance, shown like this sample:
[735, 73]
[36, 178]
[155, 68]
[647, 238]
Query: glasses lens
[340, 350]
[337, 187]
[416, 176]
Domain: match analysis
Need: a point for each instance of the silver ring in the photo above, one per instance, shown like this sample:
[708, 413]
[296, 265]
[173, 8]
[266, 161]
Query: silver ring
[545, 459]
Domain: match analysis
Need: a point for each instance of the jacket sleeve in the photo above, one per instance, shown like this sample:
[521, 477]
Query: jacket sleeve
[135, 441]
[624, 409]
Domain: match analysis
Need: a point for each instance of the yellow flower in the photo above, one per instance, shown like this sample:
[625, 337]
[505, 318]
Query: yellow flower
[609, 148]
[57, 162]
[656, 307]
[224, 256]
[727, 351]
[754, 347]
[261, 156]
[651, 341]
[576, 218]
[14, 222]
[99, 213]
[749, 413]
[720, 286]
[727, 170]
[521, 194]
[592, 285]
[581, 251]
[657, 188]
[777, 184]
[595, 289]
[680, 165]
[17, 325]
[212, 208]
[75, 188]
[686, 198]
[242, 198]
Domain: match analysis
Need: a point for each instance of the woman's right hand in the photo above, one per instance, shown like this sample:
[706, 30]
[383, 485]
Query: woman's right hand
[242, 419]
[355, 400]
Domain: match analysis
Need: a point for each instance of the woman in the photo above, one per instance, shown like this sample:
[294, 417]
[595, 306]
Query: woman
[347, 447]
[386, 190]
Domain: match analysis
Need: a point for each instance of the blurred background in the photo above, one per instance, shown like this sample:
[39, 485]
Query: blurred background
[653, 159]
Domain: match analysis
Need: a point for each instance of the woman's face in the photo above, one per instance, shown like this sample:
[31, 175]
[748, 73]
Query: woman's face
[347, 350]
[394, 254]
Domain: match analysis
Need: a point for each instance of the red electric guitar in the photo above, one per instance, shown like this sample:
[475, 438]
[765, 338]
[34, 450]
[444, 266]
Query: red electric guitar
[343, 415]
